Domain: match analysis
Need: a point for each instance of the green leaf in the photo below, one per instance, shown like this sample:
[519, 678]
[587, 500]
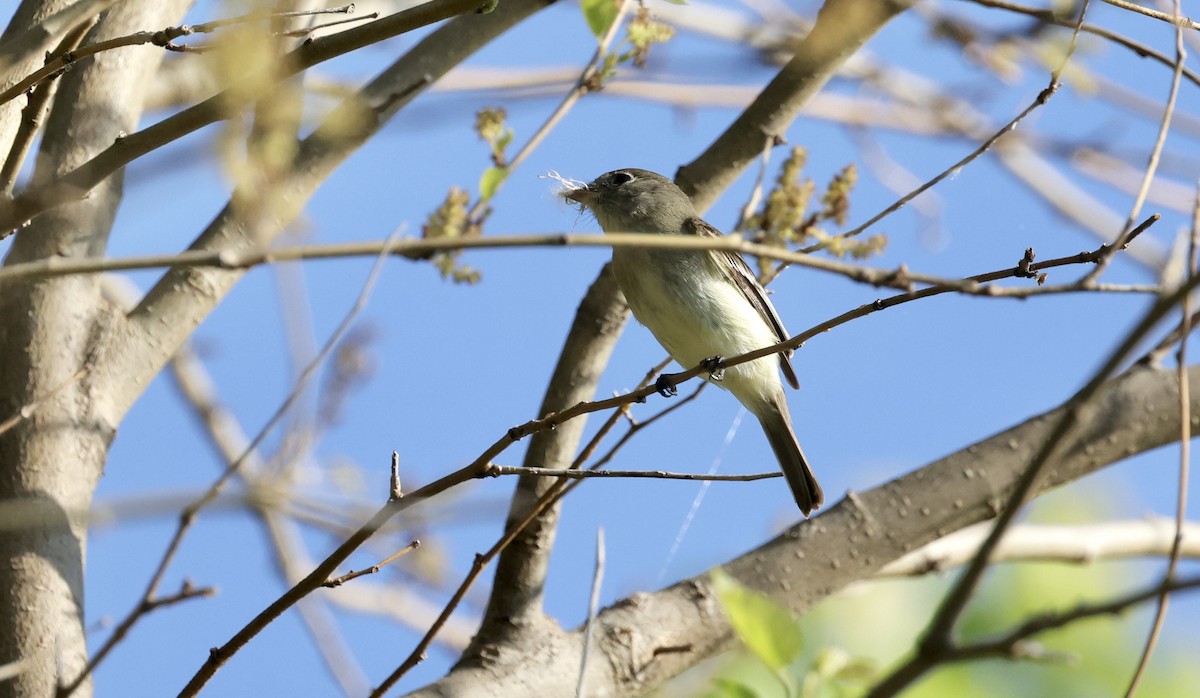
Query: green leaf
[490, 181]
[599, 15]
[503, 141]
[833, 663]
[728, 688]
[765, 627]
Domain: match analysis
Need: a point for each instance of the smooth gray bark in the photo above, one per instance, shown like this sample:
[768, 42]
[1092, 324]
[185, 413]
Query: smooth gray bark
[49, 331]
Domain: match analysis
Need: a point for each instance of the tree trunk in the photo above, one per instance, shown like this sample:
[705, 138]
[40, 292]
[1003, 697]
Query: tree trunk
[50, 334]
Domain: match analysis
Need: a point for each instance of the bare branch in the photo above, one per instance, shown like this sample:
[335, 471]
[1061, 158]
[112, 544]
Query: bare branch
[593, 602]
[1050, 17]
[419, 249]
[550, 497]
[32, 115]
[1042, 97]
[494, 470]
[1079, 544]
[1155, 154]
[1175, 18]
[373, 569]
[144, 608]
[1014, 644]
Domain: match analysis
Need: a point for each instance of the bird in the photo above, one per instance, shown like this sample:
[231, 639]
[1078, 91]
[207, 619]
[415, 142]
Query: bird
[701, 305]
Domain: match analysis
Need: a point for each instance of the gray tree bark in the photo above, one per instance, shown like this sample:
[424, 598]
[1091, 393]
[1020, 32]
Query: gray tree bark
[49, 332]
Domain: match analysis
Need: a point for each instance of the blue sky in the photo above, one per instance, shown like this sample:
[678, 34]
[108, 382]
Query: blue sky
[455, 366]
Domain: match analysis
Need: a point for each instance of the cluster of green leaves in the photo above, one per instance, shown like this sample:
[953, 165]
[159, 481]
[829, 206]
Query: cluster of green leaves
[452, 219]
[774, 638]
[642, 32]
[492, 127]
[785, 218]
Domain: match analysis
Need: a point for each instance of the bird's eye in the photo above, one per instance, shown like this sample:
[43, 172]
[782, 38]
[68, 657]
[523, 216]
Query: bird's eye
[619, 178]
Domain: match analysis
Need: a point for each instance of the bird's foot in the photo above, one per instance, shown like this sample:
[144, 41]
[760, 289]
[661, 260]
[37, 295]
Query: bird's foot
[713, 365]
[665, 386]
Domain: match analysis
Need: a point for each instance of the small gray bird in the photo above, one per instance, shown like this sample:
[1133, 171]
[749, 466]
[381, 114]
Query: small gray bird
[701, 304]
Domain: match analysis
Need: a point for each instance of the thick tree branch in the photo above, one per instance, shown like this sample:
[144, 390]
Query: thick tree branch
[34, 28]
[514, 608]
[51, 328]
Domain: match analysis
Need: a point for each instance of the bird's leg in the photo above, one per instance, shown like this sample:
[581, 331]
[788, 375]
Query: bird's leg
[713, 365]
[665, 386]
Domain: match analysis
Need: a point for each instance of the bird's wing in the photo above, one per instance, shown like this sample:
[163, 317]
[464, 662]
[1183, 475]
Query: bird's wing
[743, 277]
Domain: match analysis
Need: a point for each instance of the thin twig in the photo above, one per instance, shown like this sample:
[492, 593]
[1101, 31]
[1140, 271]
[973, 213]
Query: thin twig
[494, 470]
[395, 491]
[1176, 18]
[373, 569]
[1050, 17]
[29, 409]
[1185, 441]
[162, 38]
[1012, 644]
[146, 606]
[1155, 154]
[755, 197]
[593, 603]
[1155, 356]
[419, 249]
[209, 27]
[31, 116]
[1042, 97]
[316, 616]
[34, 405]
[305, 31]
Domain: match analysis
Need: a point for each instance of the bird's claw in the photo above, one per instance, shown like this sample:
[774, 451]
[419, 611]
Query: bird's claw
[665, 386]
[713, 365]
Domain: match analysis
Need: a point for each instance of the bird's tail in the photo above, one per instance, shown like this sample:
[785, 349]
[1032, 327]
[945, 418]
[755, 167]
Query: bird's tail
[777, 424]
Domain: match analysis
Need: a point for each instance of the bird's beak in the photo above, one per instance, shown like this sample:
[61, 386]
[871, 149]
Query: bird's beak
[584, 195]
